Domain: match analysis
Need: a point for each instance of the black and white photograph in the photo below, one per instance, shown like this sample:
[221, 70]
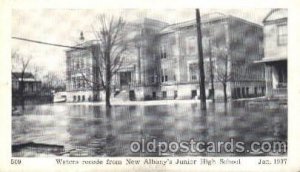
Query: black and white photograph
[142, 85]
[149, 82]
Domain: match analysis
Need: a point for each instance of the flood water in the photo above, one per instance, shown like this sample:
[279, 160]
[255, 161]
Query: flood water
[91, 130]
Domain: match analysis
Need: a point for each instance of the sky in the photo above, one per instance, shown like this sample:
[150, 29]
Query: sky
[63, 26]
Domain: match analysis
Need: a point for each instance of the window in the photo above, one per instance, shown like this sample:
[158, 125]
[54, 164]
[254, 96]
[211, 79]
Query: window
[194, 77]
[163, 52]
[243, 92]
[191, 44]
[164, 77]
[78, 83]
[282, 74]
[238, 91]
[282, 34]
[83, 63]
[193, 70]
[131, 95]
[206, 46]
[175, 94]
[83, 83]
[77, 63]
[152, 79]
[164, 94]
[73, 84]
[154, 95]
[194, 93]
[263, 90]
[73, 63]
[125, 78]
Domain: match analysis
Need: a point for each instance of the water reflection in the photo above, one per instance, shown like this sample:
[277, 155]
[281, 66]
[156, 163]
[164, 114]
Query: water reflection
[90, 130]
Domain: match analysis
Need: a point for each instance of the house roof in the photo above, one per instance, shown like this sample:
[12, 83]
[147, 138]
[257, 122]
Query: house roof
[27, 76]
[19, 75]
[276, 14]
[269, 60]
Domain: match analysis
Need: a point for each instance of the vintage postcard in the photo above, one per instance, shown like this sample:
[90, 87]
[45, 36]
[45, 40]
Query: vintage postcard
[144, 88]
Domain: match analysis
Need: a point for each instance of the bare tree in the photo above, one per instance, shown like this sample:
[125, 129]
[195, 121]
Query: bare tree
[111, 35]
[20, 63]
[52, 81]
[36, 71]
[223, 75]
[223, 69]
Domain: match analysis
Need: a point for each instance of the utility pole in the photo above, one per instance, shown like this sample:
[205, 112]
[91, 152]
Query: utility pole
[211, 73]
[201, 66]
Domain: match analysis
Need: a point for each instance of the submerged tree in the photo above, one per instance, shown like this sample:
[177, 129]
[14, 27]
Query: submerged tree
[21, 64]
[111, 34]
[223, 73]
[229, 69]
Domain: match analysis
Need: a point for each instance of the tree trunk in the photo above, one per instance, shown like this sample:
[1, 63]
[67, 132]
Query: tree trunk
[225, 79]
[21, 93]
[225, 92]
[108, 80]
[107, 96]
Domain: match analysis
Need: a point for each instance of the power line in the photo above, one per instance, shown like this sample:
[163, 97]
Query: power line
[46, 43]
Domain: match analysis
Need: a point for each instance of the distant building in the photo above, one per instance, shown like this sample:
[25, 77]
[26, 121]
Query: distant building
[236, 38]
[81, 75]
[134, 78]
[275, 52]
[164, 61]
[31, 85]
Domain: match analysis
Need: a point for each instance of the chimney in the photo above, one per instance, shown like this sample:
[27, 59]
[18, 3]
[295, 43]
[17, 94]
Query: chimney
[81, 36]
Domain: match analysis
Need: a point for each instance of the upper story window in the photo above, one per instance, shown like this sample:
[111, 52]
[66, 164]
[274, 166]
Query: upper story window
[163, 52]
[78, 82]
[282, 34]
[191, 43]
[77, 63]
[206, 46]
[164, 76]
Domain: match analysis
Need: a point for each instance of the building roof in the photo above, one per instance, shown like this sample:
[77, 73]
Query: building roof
[276, 14]
[206, 18]
[164, 28]
[27, 76]
[269, 60]
[19, 75]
